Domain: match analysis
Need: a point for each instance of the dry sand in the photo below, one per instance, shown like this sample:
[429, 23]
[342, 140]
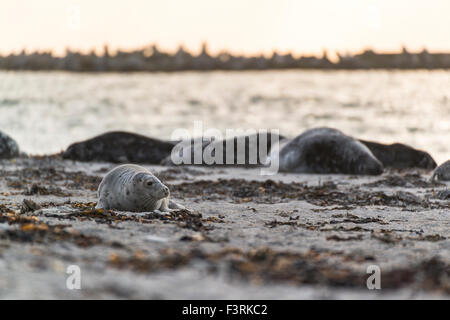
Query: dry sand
[287, 236]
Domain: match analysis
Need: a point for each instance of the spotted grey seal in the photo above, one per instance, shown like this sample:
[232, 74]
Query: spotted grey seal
[442, 172]
[130, 187]
[326, 150]
[400, 156]
[8, 147]
[246, 151]
[120, 147]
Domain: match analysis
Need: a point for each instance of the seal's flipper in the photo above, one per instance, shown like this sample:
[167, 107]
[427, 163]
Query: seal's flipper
[100, 205]
[173, 205]
[164, 206]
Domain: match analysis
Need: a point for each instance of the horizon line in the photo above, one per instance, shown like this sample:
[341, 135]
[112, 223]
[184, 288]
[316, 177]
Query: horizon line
[100, 49]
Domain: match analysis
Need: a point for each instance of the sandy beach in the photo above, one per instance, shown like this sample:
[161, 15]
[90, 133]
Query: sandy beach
[247, 236]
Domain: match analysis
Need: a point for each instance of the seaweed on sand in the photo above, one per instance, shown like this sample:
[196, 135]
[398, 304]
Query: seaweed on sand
[266, 265]
[240, 190]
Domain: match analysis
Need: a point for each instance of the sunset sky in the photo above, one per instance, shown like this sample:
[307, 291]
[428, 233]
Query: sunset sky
[241, 26]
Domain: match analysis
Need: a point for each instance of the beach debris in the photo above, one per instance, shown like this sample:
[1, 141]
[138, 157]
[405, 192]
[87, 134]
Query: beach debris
[266, 265]
[443, 194]
[243, 191]
[392, 237]
[35, 189]
[29, 205]
[193, 237]
[338, 238]
[52, 176]
[409, 180]
[32, 230]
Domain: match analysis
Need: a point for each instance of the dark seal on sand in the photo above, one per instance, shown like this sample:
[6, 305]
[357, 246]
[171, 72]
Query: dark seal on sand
[245, 151]
[442, 172]
[120, 147]
[327, 150]
[400, 156]
[8, 147]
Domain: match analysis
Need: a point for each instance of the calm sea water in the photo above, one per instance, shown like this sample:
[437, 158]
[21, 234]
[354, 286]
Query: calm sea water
[46, 111]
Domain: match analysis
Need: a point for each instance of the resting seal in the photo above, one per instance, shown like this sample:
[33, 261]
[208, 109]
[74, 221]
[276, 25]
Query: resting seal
[442, 172]
[400, 156]
[326, 150]
[120, 147]
[8, 147]
[133, 188]
[247, 151]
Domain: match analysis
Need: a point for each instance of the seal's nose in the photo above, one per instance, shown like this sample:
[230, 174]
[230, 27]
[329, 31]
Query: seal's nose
[166, 191]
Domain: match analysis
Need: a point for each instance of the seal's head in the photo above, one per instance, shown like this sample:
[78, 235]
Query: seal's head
[424, 160]
[79, 151]
[368, 164]
[364, 162]
[148, 184]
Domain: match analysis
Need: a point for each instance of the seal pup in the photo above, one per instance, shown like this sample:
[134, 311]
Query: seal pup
[133, 188]
[442, 172]
[8, 147]
[327, 150]
[120, 147]
[400, 156]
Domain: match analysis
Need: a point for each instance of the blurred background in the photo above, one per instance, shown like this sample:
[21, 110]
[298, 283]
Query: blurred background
[378, 70]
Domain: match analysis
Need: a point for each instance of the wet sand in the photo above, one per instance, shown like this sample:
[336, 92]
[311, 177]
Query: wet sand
[287, 236]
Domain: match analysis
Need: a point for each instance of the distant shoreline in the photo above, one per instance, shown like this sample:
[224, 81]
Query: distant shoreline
[151, 59]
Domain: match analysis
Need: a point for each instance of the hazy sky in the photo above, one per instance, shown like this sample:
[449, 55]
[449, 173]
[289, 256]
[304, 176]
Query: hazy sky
[244, 26]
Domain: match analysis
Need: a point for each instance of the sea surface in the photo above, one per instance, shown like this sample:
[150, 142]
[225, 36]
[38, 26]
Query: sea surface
[46, 111]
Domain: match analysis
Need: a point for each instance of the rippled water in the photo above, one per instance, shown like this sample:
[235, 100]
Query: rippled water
[45, 112]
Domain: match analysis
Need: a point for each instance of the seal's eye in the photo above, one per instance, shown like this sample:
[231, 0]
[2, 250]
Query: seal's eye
[149, 183]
